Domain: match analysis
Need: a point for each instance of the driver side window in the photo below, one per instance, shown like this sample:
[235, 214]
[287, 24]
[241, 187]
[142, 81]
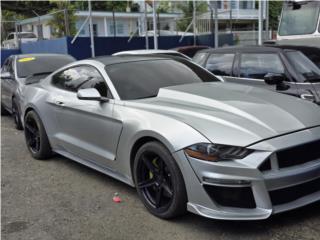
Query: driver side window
[7, 66]
[82, 77]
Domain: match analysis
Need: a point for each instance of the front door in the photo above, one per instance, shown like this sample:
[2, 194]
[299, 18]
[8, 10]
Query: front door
[8, 85]
[86, 128]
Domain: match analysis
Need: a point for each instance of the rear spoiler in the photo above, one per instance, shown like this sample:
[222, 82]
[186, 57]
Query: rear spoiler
[37, 77]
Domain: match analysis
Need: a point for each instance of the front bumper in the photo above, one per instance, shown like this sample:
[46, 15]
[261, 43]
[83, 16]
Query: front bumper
[247, 189]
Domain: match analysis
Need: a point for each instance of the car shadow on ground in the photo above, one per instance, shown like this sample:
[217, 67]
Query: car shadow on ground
[289, 220]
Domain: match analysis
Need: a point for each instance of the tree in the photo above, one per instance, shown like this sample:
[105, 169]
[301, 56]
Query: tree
[187, 9]
[274, 13]
[117, 6]
[8, 22]
[24, 8]
[65, 13]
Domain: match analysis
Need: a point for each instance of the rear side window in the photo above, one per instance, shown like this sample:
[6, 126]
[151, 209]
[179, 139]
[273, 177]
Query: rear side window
[82, 77]
[200, 58]
[220, 64]
[30, 65]
[256, 66]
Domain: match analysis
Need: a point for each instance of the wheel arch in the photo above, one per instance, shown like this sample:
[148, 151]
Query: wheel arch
[137, 145]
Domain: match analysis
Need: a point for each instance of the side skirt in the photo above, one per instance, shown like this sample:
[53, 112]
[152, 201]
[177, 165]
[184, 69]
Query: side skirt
[96, 167]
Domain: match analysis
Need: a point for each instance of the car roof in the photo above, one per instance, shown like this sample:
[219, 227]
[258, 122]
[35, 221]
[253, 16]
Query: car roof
[296, 47]
[109, 60]
[145, 51]
[243, 49]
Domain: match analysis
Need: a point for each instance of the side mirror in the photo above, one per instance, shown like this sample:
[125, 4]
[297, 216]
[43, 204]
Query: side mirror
[91, 94]
[276, 79]
[273, 78]
[6, 75]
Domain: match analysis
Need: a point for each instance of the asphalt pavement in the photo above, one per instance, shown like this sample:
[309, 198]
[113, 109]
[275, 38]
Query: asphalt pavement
[63, 200]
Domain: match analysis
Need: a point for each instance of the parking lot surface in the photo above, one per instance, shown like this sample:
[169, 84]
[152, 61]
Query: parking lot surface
[61, 199]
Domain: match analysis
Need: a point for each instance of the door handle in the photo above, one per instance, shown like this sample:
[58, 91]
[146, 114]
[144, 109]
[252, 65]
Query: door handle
[307, 96]
[59, 103]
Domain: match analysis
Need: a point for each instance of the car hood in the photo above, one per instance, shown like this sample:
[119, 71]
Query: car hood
[233, 114]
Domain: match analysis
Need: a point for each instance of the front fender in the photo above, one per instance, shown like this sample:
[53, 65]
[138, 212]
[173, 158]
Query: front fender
[138, 124]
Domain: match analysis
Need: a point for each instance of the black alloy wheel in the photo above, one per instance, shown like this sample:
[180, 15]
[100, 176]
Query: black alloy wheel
[159, 181]
[4, 111]
[36, 137]
[154, 180]
[16, 115]
[32, 133]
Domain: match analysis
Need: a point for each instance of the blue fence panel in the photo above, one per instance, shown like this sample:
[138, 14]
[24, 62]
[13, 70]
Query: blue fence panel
[208, 40]
[7, 53]
[80, 49]
[109, 45]
[58, 45]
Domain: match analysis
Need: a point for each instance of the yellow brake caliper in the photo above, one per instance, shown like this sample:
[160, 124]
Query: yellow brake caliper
[154, 162]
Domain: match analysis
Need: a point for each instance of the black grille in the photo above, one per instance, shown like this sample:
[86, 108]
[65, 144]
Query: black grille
[290, 194]
[265, 166]
[299, 155]
[240, 197]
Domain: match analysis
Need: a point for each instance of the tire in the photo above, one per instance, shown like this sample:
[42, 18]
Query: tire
[157, 174]
[4, 111]
[16, 115]
[36, 138]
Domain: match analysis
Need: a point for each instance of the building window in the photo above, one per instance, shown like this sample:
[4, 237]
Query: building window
[120, 28]
[233, 4]
[219, 4]
[95, 29]
[243, 4]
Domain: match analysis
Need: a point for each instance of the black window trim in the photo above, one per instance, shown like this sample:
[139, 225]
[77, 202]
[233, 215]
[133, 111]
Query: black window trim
[75, 66]
[262, 52]
[232, 65]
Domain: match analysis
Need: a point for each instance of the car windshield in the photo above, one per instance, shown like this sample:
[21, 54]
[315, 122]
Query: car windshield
[30, 65]
[143, 79]
[299, 18]
[27, 35]
[304, 66]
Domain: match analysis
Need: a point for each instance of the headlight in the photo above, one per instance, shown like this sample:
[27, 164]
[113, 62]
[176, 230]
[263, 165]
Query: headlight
[216, 152]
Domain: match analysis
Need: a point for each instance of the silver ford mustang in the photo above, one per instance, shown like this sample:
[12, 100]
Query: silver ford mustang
[185, 140]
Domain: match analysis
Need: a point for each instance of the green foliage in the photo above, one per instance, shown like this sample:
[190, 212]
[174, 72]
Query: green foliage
[117, 6]
[24, 8]
[274, 13]
[187, 9]
[7, 27]
[57, 23]
[163, 7]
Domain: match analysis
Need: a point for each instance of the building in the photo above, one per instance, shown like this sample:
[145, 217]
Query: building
[240, 14]
[125, 24]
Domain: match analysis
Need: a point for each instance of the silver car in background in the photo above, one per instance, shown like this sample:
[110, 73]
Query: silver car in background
[185, 140]
[14, 73]
[152, 52]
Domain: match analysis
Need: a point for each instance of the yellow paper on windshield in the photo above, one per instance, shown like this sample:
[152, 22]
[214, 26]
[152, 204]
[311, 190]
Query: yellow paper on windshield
[28, 59]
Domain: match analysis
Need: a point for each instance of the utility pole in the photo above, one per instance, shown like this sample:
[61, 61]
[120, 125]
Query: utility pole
[267, 20]
[211, 22]
[155, 37]
[146, 24]
[91, 29]
[114, 21]
[194, 23]
[260, 23]
[66, 22]
[39, 24]
[216, 26]
[230, 19]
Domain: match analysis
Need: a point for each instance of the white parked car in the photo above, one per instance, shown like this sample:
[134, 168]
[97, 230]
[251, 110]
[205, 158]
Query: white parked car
[152, 51]
[14, 38]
